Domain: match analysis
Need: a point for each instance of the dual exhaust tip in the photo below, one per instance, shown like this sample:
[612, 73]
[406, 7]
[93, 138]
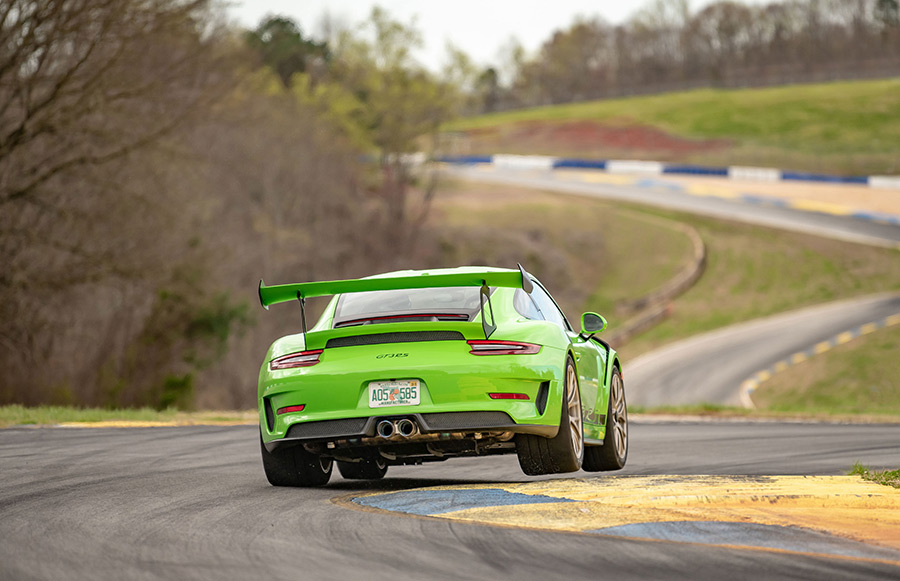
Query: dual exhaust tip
[390, 428]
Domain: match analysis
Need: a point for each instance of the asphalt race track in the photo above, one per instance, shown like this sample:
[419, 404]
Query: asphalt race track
[657, 192]
[192, 503]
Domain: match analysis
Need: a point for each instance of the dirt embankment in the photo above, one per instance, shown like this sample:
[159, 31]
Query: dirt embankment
[588, 139]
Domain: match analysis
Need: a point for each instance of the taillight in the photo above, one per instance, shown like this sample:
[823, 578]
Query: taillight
[508, 396]
[484, 347]
[301, 359]
[290, 408]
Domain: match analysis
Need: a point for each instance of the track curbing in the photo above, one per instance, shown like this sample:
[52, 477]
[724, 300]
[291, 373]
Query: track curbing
[749, 385]
[832, 516]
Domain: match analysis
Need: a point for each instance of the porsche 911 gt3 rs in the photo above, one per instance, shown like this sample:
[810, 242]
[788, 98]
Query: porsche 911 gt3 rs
[420, 366]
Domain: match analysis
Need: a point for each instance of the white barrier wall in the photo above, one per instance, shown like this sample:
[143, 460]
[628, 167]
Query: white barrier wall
[653, 168]
[885, 182]
[524, 161]
[754, 174]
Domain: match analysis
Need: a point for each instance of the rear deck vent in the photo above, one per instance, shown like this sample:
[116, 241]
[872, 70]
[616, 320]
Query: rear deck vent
[401, 337]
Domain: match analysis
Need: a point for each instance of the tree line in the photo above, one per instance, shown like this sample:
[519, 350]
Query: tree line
[156, 162]
[666, 47]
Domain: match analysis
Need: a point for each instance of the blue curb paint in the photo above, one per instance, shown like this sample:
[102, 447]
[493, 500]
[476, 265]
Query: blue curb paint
[875, 217]
[751, 535]
[433, 502]
[653, 183]
[765, 201]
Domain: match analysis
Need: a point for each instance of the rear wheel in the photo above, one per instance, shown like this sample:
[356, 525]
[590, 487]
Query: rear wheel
[365, 469]
[295, 466]
[565, 451]
[614, 451]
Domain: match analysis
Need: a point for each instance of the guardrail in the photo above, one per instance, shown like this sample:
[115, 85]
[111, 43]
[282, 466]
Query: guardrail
[645, 168]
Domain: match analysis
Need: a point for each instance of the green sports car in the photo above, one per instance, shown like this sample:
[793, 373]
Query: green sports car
[419, 366]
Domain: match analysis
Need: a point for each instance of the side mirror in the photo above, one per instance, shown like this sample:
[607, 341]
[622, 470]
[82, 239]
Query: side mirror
[592, 323]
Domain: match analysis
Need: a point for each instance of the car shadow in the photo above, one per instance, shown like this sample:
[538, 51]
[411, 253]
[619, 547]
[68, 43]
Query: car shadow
[395, 484]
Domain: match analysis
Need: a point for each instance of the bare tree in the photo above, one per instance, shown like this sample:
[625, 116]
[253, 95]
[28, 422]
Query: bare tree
[664, 47]
[91, 93]
[83, 82]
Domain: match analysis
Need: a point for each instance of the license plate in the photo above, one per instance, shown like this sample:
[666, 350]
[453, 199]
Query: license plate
[384, 394]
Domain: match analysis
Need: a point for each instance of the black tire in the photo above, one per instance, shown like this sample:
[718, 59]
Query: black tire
[614, 451]
[294, 466]
[565, 451]
[366, 469]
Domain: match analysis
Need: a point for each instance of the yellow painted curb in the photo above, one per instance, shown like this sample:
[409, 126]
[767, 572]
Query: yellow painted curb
[603, 178]
[845, 506]
[824, 207]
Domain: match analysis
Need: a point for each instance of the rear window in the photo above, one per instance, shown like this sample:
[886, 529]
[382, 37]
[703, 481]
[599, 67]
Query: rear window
[447, 303]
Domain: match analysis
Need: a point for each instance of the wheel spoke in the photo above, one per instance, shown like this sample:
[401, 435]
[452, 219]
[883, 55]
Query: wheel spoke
[620, 417]
[573, 403]
[621, 438]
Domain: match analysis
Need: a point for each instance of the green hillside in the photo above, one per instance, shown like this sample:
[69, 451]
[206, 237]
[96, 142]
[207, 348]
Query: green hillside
[848, 127]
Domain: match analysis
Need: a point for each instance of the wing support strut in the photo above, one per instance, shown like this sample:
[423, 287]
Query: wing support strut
[485, 297]
[302, 310]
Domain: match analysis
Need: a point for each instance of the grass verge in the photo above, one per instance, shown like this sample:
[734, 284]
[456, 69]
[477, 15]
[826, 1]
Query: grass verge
[885, 477]
[753, 272]
[17, 415]
[591, 255]
[857, 377]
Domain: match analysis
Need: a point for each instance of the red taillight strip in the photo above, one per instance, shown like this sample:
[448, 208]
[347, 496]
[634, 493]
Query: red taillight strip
[485, 347]
[290, 408]
[301, 359]
[508, 396]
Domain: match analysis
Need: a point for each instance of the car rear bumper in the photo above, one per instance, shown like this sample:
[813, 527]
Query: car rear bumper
[455, 388]
[438, 424]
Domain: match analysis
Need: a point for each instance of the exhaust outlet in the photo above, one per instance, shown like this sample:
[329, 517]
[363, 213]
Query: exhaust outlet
[406, 428]
[385, 429]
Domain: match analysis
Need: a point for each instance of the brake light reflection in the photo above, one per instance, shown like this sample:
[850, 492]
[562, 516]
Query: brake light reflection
[487, 347]
[301, 359]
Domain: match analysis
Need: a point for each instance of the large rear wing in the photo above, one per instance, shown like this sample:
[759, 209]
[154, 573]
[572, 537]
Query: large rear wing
[282, 293]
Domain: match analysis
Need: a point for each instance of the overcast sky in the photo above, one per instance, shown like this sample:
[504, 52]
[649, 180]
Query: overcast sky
[478, 27]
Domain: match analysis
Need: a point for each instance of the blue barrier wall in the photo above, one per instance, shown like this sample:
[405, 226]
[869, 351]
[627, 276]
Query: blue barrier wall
[686, 169]
[696, 170]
